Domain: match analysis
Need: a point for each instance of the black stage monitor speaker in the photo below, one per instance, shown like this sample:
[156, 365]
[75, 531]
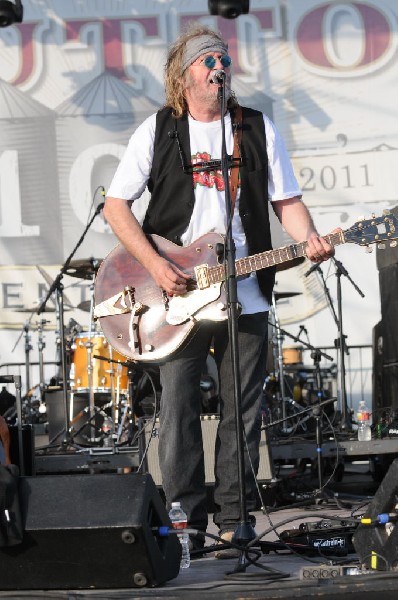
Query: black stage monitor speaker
[209, 430]
[376, 544]
[387, 256]
[84, 531]
[388, 279]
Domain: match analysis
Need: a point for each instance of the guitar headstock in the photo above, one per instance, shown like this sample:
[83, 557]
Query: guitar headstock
[375, 230]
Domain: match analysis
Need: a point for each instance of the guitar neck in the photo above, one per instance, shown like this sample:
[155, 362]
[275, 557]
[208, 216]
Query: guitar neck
[270, 258]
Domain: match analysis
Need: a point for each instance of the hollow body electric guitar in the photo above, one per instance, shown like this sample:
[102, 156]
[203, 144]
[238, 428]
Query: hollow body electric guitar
[144, 324]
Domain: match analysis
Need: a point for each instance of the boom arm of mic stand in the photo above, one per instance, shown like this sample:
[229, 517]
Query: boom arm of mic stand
[301, 412]
[56, 283]
[341, 268]
[296, 339]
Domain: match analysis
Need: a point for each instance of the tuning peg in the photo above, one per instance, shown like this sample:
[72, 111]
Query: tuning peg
[381, 246]
[362, 218]
[373, 215]
[386, 211]
[393, 244]
[369, 249]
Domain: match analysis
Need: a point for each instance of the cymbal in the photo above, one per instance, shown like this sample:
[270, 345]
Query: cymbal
[281, 295]
[84, 268]
[295, 262]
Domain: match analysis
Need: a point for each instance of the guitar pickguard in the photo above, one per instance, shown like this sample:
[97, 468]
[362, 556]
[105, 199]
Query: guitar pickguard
[195, 304]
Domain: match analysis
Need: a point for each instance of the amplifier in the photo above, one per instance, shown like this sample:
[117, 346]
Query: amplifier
[209, 430]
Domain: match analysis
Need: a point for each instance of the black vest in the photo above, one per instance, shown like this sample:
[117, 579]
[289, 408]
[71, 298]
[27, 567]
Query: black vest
[172, 192]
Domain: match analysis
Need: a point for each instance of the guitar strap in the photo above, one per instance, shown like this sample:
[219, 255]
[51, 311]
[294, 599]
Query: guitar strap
[234, 177]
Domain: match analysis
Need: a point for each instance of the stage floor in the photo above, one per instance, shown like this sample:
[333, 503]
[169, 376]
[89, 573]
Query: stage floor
[218, 578]
[209, 577]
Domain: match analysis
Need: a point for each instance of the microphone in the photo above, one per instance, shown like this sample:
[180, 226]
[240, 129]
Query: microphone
[218, 76]
[312, 269]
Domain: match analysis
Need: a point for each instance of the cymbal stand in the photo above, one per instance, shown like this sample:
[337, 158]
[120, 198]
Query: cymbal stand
[115, 390]
[89, 346]
[28, 349]
[41, 345]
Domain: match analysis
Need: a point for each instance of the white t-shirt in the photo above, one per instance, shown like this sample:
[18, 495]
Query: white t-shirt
[209, 212]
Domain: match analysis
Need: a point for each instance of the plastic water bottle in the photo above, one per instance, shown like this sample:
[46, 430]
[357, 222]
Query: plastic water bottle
[179, 521]
[363, 418]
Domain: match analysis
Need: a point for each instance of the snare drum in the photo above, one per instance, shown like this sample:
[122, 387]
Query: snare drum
[107, 375]
[292, 355]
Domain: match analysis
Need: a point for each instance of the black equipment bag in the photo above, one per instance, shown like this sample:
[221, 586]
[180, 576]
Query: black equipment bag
[11, 528]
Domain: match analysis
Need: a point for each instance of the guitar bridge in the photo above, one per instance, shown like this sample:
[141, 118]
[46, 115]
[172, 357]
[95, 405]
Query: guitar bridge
[202, 276]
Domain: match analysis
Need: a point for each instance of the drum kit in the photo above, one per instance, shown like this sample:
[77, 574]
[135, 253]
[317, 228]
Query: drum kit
[99, 384]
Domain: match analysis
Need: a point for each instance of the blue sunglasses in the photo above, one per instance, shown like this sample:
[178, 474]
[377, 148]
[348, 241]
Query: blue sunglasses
[210, 61]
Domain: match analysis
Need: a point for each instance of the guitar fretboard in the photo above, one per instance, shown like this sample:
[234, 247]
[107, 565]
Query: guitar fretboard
[270, 258]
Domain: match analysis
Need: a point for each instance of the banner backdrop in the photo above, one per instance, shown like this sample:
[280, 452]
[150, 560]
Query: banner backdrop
[78, 76]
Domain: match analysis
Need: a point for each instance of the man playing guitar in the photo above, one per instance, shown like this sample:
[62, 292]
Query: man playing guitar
[176, 154]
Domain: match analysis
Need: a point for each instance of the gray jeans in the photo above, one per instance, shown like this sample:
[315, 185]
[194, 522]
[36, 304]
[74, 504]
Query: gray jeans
[181, 456]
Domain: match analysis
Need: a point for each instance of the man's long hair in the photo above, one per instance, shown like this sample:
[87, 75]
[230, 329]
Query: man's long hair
[175, 83]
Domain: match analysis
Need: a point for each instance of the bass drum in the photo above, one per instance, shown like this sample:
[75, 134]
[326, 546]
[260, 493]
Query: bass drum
[107, 375]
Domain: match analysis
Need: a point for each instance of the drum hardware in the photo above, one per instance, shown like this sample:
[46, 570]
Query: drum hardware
[28, 348]
[41, 345]
[97, 426]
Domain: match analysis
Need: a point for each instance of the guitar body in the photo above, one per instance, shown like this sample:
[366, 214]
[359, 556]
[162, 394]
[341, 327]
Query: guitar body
[156, 337]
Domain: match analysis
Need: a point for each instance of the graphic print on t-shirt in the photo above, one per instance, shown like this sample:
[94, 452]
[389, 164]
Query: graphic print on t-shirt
[208, 178]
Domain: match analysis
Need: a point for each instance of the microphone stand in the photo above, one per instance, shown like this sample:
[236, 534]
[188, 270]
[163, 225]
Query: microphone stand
[57, 286]
[244, 532]
[318, 269]
[345, 422]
